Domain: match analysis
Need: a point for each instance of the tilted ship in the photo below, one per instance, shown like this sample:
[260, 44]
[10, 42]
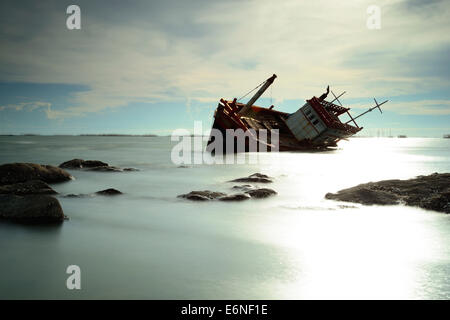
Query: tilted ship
[315, 125]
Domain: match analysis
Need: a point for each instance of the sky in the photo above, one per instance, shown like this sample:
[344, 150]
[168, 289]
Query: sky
[150, 67]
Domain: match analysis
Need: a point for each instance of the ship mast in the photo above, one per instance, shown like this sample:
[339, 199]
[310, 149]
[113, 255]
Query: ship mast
[377, 105]
[247, 108]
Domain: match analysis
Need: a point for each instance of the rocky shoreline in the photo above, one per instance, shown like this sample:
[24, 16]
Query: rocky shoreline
[26, 197]
[430, 192]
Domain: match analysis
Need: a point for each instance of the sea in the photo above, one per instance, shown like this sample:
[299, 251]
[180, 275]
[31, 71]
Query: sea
[150, 244]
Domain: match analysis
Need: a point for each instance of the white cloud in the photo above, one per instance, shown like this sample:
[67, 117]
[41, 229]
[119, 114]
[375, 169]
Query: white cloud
[309, 44]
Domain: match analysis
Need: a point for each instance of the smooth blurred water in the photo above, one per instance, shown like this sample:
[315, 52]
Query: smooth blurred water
[150, 244]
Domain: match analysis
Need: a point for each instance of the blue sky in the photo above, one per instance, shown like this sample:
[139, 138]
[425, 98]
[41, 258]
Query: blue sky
[144, 67]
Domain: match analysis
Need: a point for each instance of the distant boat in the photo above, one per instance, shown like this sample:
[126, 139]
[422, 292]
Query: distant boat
[401, 136]
[446, 136]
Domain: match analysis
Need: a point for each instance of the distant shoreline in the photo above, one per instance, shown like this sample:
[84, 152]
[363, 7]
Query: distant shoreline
[167, 135]
[80, 135]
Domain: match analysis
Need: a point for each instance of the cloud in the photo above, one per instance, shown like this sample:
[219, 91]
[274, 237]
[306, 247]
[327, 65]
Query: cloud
[45, 107]
[26, 106]
[204, 50]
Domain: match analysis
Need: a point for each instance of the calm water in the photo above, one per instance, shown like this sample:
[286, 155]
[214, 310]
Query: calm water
[149, 244]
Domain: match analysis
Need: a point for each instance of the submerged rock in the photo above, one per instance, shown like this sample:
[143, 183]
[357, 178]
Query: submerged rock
[106, 192]
[109, 192]
[106, 169]
[92, 165]
[261, 193]
[235, 197]
[31, 209]
[21, 172]
[255, 178]
[245, 187]
[259, 175]
[80, 163]
[202, 195]
[26, 188]
[211, 195]
[75, 195]
[429, 192]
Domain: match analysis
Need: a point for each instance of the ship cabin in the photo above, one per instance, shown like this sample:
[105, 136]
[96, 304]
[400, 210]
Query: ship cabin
[317, 123]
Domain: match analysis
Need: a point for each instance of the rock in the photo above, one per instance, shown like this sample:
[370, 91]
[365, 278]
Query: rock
[21, 172]
[259, 175]
[106, 192]
[437, 202]
[80, 163]
[364, 195]
[105, 169]
[28, 187]
[31, 209]
[202, 195]
[73, 195]
[235, 197]
[429, 192]
[211, 195]
[254, 178]
[92, 165]
[261, 193]
[109, 192]
[244, 187]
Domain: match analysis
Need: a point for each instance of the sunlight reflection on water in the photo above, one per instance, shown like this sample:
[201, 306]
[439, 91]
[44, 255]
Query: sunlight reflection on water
[149, 244]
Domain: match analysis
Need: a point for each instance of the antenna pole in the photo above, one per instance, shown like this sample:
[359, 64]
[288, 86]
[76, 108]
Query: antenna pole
[377, 106]
[258, 94]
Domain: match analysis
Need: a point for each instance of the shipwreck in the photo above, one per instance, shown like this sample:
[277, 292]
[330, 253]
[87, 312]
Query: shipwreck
[315, 125]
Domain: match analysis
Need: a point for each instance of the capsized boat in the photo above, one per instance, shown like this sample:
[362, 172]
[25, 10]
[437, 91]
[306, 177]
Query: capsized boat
[315, 125]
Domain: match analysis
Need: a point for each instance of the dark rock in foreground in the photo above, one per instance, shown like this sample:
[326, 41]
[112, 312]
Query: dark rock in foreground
[428, 192]
[109, 192]
[25, 188]
[254, 178]
[21, 172]
[202, 195]
[92, 165]
[34, 209]
[261, 193]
